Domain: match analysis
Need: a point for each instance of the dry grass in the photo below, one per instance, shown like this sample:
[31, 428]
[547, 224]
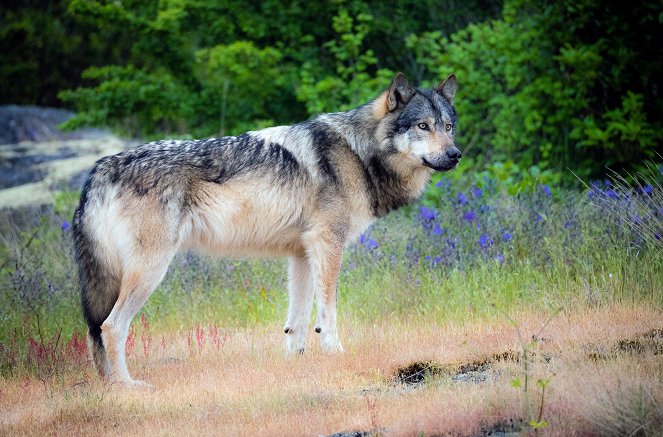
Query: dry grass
[247, 386]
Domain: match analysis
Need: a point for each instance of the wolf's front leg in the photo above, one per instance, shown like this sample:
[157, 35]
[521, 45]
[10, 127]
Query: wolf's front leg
[300, 288]
[325, 256]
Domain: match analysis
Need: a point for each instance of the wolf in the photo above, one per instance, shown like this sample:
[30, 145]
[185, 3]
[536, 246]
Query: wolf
[300, 191]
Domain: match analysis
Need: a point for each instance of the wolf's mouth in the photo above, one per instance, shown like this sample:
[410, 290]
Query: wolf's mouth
[444, 166]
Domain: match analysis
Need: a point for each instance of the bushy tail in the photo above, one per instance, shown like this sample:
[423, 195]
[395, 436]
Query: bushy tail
[100, 286]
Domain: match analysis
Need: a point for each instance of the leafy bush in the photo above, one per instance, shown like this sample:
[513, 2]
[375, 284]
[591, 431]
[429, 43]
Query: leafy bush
[551, 86]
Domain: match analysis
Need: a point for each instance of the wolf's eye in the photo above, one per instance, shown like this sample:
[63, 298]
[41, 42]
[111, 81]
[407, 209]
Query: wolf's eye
[447, 127]
[423, 126]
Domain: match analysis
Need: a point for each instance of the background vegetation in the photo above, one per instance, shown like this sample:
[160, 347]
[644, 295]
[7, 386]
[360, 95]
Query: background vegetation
[544, 86]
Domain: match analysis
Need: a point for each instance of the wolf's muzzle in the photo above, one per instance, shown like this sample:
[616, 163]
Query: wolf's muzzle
[443, 161]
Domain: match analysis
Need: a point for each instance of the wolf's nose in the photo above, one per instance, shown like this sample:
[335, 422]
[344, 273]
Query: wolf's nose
[453, 153]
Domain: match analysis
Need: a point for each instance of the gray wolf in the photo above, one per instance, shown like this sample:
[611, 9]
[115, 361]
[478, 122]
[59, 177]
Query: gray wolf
[301, 191]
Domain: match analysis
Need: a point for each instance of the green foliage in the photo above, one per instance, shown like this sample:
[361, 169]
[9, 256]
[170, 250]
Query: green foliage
[45, 49]
[142, 102]
[351, 84]
[227, 74]
[544, 87]
[551, 86]
[187, 67]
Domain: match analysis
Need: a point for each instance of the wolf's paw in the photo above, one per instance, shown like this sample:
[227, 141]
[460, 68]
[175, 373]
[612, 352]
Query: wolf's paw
[295, 342]
[294, 352]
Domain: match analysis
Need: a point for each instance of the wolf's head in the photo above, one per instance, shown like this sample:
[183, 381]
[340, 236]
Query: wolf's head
[421, 122]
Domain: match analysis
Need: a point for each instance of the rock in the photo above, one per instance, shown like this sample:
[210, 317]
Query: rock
[37, 159]
[33, 123]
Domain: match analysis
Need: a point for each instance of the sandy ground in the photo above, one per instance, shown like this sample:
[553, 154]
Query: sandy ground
[604, 366]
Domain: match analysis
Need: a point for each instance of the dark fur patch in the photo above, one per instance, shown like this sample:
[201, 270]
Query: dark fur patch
[324, 140]
[386, 189]
[86, 190]
[165, 165]
[245, 153]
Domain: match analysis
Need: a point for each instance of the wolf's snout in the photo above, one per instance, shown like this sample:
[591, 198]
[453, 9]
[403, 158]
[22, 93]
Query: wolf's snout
[443, 160]
[453, 153]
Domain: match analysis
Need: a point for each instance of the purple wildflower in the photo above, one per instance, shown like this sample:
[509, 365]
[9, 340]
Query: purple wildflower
[612, 194]
[539, 217]
[368, 242]
[433, 261]
[462, 199]
[546, 190]
[371, 244]
[506, 236]
[477, 192]
[426, 213]
[484, 241]
[648, 189]
[469, 216]
[65, 225]
[437, 229]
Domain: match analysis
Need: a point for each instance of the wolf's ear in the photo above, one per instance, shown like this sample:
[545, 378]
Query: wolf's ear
[400, 91]
[447, 88]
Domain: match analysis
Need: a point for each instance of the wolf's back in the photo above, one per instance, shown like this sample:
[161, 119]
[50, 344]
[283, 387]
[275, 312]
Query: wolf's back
[100, 283]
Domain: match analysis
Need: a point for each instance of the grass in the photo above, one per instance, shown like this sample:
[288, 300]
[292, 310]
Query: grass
[246, 386]
[433, 288]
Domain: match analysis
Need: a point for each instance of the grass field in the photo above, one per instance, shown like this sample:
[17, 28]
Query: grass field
[473, 312]
[603, 366]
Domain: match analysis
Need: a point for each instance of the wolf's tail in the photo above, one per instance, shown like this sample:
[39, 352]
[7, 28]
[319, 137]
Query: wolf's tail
[100, 285]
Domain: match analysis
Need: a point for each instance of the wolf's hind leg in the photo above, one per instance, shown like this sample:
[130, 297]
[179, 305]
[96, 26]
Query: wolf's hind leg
[98, 356]
[300, 304]
[137, 285]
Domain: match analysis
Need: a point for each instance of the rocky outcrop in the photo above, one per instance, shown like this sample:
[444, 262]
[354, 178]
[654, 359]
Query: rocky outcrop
[38, 159]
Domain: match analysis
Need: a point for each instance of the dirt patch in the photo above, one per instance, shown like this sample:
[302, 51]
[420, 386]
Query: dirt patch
[351, 434]
[505, 428]
[475, 371]
[417, 372]
[650, 342]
